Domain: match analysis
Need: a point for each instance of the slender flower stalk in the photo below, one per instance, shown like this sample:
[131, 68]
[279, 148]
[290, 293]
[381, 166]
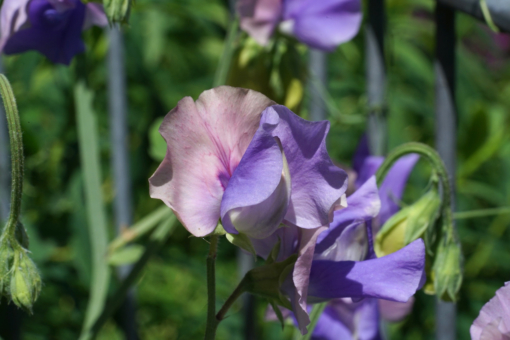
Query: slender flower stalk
[17, 159]
[212, 322]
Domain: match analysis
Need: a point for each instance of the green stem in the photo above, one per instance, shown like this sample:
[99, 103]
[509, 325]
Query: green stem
[240, 289]
[481, 213]
[17, 166]
[212, 322]
[437, 163]
[220, 78]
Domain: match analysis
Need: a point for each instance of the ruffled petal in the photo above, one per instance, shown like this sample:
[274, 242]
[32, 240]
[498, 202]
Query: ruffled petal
[317, 184]
[206, 141]
[346, 238]
[53, 33]
[394, 277]
[301, 275]
[257, 195]
[259, 18]
[323, 24]
[496, 311]
[95, 16]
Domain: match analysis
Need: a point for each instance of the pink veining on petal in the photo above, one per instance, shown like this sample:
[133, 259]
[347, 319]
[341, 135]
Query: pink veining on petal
[206, 140]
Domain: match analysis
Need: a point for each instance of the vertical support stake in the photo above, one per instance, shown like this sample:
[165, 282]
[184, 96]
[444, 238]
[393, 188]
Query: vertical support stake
[445, 133]
[120, 163]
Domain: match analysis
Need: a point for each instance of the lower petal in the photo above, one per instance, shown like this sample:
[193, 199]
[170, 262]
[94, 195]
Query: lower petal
[394, 277]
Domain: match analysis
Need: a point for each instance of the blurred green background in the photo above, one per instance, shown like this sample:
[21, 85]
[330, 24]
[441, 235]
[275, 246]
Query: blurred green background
[172, 50]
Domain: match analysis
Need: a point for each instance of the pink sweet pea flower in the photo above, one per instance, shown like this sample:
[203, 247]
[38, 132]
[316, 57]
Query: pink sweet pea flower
[493, 323]
[234, 155]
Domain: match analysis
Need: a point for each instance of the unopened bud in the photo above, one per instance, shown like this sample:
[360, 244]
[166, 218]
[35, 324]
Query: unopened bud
[117, 10]
[447, 270]
[25, 282]
[408, 224]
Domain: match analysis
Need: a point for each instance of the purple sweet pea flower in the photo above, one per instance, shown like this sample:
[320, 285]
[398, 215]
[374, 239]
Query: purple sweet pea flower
[234, 155]
[343, 264]
[52, 27]
[362, 318]
[493, 323]
[321, 24]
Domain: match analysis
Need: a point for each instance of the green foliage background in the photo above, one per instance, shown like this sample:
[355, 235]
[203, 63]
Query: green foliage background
[172, 50]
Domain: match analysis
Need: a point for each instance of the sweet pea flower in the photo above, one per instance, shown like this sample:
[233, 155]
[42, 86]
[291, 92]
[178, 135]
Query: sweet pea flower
[344, 318]
[236, 156]
[342, 262]
[323, 24]
[52, 27]
[493, 322]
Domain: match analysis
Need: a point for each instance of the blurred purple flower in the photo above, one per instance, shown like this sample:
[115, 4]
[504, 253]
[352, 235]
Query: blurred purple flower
[321, 24]
[493, 323]
[52, 27]
[234, 155]
[342, 263]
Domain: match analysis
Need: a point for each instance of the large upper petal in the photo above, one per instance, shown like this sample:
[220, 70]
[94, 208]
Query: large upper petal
[494, 317]
[317, 184]
[54, 33]
[259, 18]
[323, 24]
[346, 239]
[206, 140]
[393, 277]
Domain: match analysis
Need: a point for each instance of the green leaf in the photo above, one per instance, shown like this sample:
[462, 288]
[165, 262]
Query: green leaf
[127, 255]
[96, 217]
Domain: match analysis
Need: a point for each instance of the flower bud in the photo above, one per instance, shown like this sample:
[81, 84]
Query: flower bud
[408, 224]
[117, 10]
[25, 284]
[447, 269]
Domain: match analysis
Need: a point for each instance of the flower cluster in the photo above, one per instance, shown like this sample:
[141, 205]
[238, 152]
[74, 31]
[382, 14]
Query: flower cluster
[235, 156]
